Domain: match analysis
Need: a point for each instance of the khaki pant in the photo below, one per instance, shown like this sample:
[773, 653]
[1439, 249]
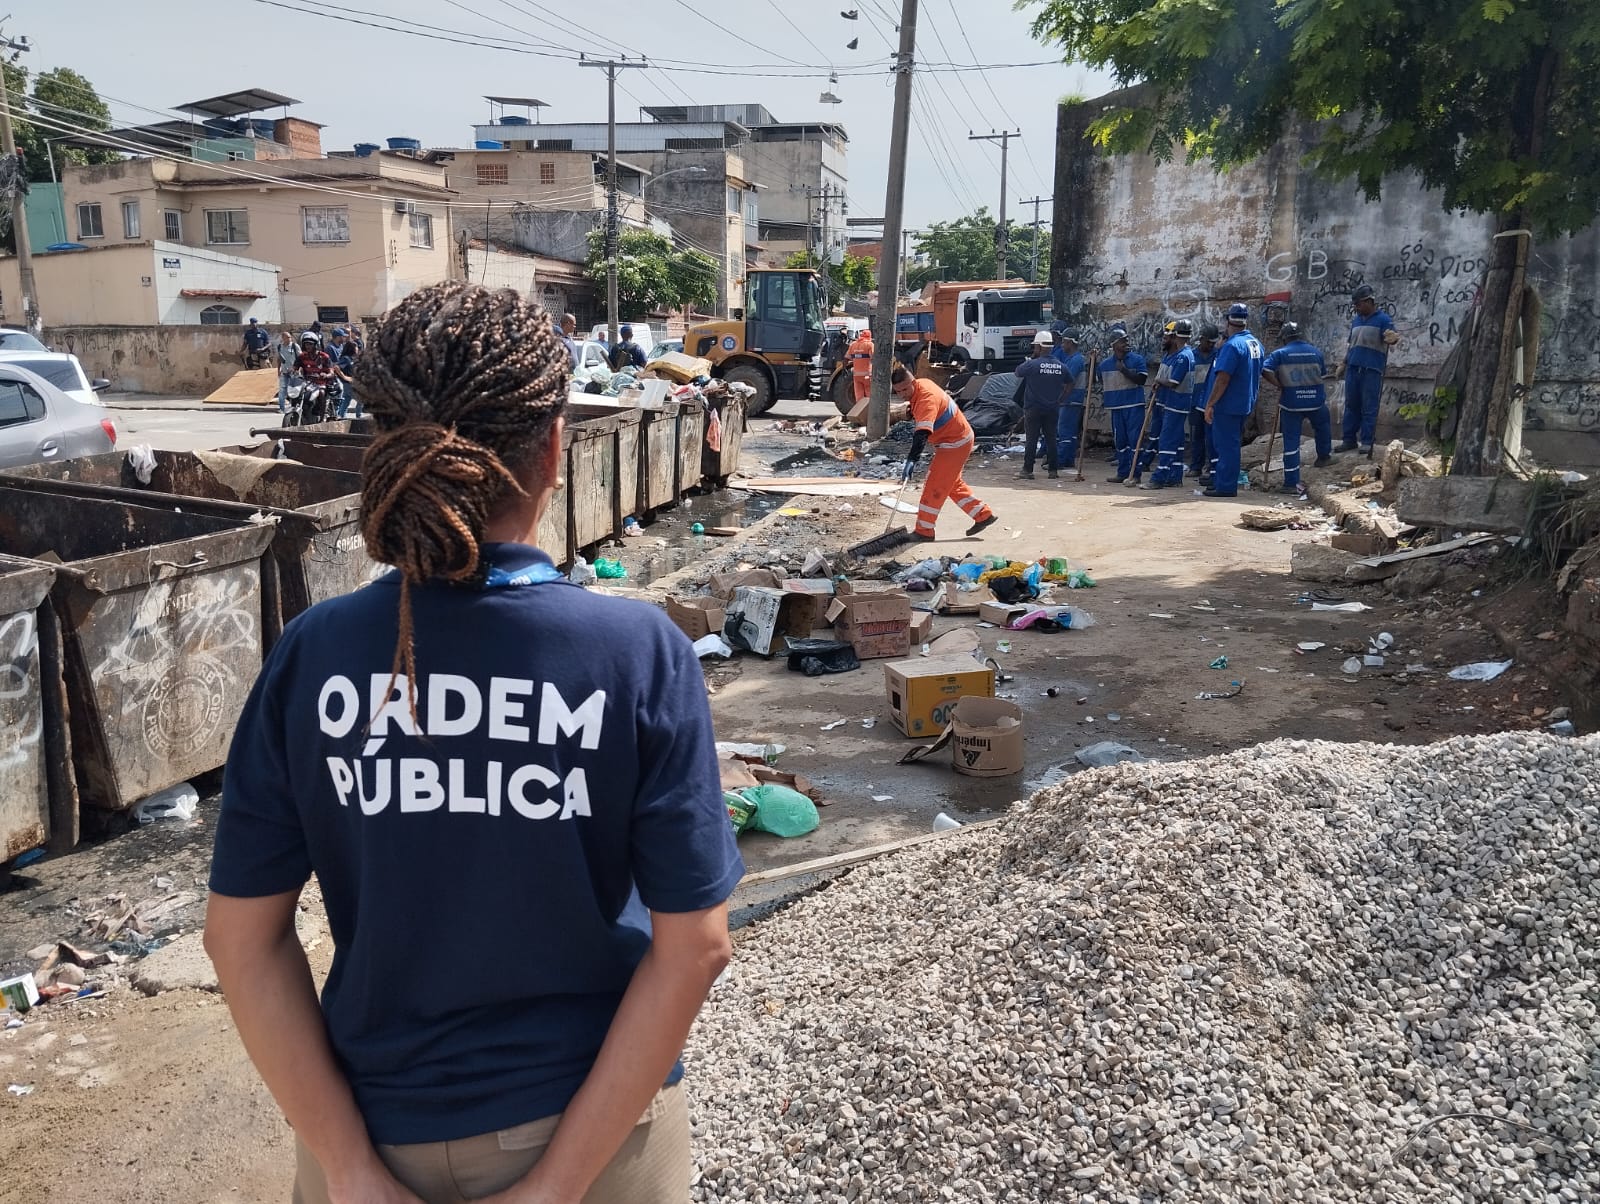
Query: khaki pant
[652, 1167]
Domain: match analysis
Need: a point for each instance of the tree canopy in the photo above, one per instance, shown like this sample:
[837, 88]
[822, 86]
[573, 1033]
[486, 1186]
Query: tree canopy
[652, 274]
[1491, 102]
[854, 277]
[62, 97]
[963, 249]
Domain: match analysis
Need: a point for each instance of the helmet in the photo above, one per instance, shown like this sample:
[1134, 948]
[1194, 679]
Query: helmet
[1068, 335]
[1117, 332]
[1238, 314]
[1208, 331]
[309, 336]
[1289, 331]
[1364, 293]
[1182, 328]
[1044, 339]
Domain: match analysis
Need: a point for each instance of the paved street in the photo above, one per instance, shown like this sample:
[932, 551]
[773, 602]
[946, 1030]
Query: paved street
[183, 425]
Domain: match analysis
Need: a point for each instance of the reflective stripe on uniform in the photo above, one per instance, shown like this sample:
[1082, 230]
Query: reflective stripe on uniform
[945, 416]
[1116, 380]
[1369, 337]
[1300, 374]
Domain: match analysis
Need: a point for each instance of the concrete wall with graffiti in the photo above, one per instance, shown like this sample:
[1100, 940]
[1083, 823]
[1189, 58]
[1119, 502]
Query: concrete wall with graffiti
[1143, 242]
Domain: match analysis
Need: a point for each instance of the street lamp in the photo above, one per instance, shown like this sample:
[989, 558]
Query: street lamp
[675, 171]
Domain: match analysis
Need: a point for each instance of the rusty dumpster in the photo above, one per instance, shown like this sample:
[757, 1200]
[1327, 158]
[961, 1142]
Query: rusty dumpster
[555, 525]
[613, 493]
[658, 458]
[717, 464]
[161, 615]
[342, 457]
[691, 437]
[317, 541]
[25, 753]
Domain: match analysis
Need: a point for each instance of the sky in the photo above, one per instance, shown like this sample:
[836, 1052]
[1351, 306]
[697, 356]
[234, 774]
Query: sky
[369, 82]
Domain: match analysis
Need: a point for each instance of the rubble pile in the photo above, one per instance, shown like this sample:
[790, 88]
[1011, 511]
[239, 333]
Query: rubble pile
[1303, 971]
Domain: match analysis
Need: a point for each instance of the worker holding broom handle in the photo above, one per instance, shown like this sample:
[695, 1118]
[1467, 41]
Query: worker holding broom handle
[939, 422]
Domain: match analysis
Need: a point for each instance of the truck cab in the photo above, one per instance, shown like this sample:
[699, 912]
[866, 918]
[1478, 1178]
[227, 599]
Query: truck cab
[995, 326]
[774, 344]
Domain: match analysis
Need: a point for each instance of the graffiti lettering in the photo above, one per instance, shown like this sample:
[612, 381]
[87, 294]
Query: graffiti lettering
[18, 645]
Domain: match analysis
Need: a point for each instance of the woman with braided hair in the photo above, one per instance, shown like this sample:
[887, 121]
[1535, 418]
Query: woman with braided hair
[514, 815]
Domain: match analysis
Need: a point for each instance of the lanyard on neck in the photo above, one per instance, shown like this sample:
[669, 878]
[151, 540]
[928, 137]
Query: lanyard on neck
[534, 574]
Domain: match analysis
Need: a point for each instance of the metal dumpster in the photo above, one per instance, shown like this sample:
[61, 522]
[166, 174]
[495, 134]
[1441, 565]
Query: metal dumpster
[628, 425]
[320, 432]
[317, 544]
[716, 466]
[691, 438]
[162, 618]
[555, 526]
[658, 458]
[342, 457]
[25, 756]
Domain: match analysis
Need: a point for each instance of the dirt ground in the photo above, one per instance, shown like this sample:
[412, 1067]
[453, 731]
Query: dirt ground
[151, 1099]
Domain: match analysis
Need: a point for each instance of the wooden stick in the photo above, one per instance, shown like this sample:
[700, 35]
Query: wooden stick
[1138, 444]
[1088, 396]
[855, 856]
[1266, 467]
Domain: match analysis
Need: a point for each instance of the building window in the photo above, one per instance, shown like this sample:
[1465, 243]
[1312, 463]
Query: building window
[750, 218]
[130, 219]
[174, 224]
[89, 223]
[734, 204]
[228, 227]
[422, 230]
[325, 224]
[220, 315]
[330, 314]
[494, 173]
[547, 173]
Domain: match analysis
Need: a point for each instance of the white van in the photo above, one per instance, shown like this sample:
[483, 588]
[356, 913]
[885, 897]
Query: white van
[642, 334]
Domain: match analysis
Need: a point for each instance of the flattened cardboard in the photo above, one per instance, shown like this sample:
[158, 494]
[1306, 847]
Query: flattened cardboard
[922, 693]
[1001, 614]
[725, 585]
[697, 617]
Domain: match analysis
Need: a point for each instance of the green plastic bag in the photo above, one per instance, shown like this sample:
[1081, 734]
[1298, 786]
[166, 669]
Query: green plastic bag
[781, 811]
[604, 567]
[1080, 579]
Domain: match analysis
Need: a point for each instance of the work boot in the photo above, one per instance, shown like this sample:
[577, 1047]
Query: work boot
[922, 537]
[1025, 475]
[1219, 493]
[1053, 474]
[1131, 482]
[1322, 462]
[1366, 450]
[1115, 480]
[1343, 447]
[983, 524]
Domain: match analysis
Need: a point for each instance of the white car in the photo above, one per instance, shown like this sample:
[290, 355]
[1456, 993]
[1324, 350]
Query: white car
[642, 334]
[61, 370]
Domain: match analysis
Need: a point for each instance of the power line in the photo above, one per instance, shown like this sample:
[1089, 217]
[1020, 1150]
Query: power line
[1004, 112]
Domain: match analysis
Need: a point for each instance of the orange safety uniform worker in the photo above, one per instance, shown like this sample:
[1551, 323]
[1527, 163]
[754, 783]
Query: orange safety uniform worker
[942, 424]
[860, 357]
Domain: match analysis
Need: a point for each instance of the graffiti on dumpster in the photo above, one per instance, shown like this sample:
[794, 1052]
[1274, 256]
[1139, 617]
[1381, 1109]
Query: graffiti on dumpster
[18, 643]
[171, 666]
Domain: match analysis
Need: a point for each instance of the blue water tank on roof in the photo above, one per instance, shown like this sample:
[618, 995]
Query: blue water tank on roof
[403, 144]
[364, 149]
[488, 144]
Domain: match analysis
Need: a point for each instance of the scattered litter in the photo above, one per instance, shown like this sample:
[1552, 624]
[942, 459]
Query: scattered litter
[142, 459]
[777, 810]
[1382, 642]
[1158, 615]
[1107, 752]
[20, 993]
[28, 858]
[20, 1088]
[609, 569]
[1052, 692]
[817, 657]
[1264, 669]
[828, 727]
[943, 823]
[1113, 717]
[694, 529]
[176, 802]
[1562, 728]
[898, 505]
[1213, 695]
[1002, 646]
[1220, 663]
[631, 528]
[581, 573]
[870, 722]
[882, 798]
[713, 645]
[758, 752]
[1352, 665]
[1480, 670]
[1310, 646]
[1418, 669]
[1350, 608]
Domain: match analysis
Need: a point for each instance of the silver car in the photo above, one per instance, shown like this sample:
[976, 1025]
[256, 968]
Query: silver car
[40, 423]
[62, 370]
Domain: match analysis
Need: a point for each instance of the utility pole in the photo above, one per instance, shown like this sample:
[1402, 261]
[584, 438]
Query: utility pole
[19, 213]
[1033, 256]
[611, 67]
[1001, 233]
[893, 215]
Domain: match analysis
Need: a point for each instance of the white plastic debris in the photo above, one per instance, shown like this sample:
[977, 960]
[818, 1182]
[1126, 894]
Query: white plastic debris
[943, 823]
[1311, 646]
[828, 727]
[1480, 670]
[712, 645]
[1349, 608]
[176, 802]
[142, 459]
[1352, 665]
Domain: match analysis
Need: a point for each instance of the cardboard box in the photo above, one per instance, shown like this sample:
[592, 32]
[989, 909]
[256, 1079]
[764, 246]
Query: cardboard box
[923, 692]
[811, 598]
[877, 625]
[697, 617]
[987, 737]
[864, 589]
[725, 585]
[761, 617]
[921, 628]
[1001, 614]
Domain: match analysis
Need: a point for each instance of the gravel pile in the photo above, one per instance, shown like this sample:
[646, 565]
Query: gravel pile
[1305, 971]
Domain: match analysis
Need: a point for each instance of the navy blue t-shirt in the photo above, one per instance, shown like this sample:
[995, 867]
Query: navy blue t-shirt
[1044, 381]
[488, 878]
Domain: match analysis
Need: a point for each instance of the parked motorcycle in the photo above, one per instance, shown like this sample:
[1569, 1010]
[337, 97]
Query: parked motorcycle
[306, 403]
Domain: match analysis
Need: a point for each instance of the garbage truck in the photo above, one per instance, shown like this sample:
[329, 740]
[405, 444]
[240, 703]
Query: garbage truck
[987, 325]
[773, 344]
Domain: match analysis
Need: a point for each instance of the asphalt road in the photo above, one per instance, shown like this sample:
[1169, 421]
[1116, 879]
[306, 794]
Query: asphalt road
[185, 426]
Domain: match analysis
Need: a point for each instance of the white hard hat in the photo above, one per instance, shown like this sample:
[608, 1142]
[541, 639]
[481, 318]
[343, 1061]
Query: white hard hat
[1044, 339]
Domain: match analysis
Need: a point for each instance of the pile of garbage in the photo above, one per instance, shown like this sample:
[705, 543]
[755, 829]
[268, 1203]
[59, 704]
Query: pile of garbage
[1303, 971]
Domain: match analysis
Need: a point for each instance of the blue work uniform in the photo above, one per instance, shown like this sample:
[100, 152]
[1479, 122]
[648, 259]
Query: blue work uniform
[1364, 364]
[1298, 367]
[1123, 397]
[1070, 421]
[256, 338]
[1044, 382]
[528, 815]
[344, 361]
[1201, 452]
[1241, 358]
[1174, 403]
